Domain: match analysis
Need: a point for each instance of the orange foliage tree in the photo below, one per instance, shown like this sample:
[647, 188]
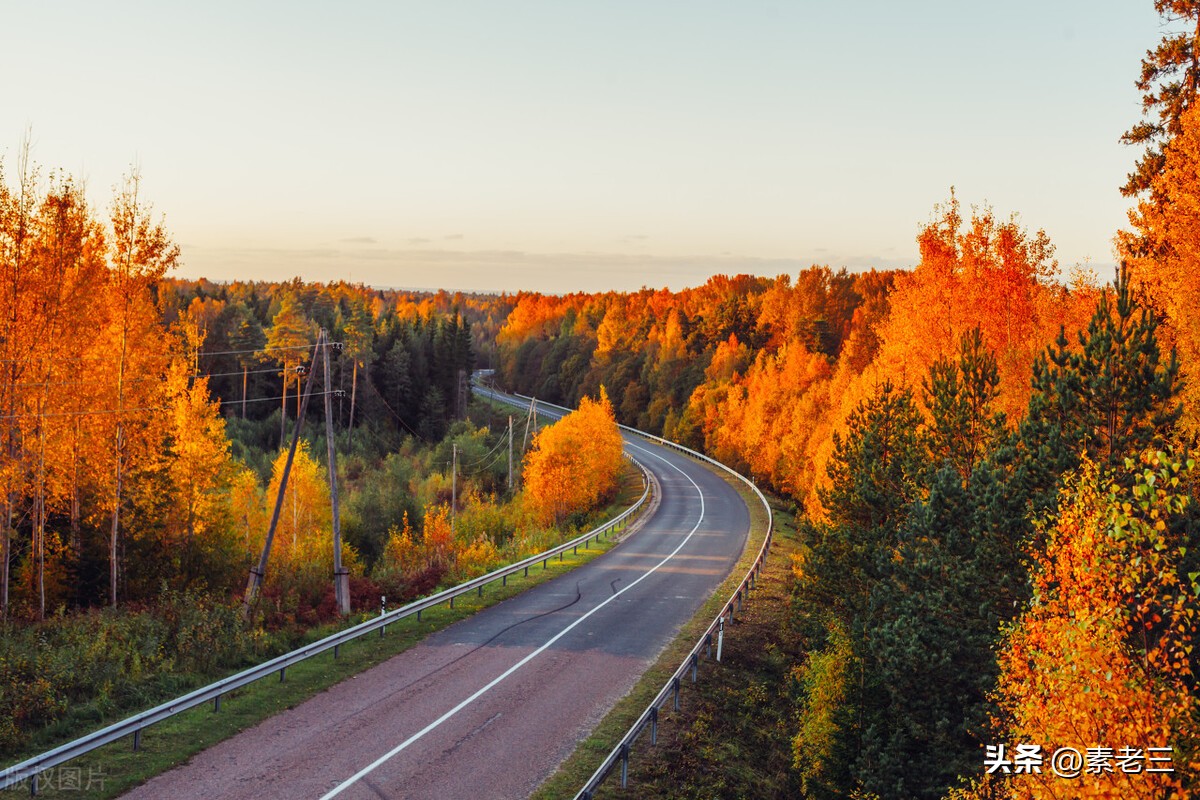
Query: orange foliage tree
[1102, 657]
[983, 273]
[303, 543]
[575, 463]
[1163, 250]
[199, 466]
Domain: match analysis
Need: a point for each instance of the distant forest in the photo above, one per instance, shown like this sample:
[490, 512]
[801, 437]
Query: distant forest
[991, 462]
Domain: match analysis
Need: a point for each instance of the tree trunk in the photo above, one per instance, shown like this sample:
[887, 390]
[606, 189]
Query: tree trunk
[283, 413]
[341, 385]
[245, 374]
[5, 555]
[191, 537]
[40, 524]
[353, 394]
[116, 525]
[41, 551]
[19, 232]
[120, 463]
[9, 494]
[76, 509]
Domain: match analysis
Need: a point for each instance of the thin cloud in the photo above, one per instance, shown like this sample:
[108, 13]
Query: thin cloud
[508, 270]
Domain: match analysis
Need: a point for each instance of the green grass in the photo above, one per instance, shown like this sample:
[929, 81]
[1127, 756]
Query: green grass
[116, 768]
[732, 736]
[576, 770]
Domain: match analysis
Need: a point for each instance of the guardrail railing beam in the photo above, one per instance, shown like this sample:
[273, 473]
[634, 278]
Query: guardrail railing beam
[620, 752]
[28, 769]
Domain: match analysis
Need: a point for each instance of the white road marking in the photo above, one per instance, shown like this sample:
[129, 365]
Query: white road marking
[367, 770]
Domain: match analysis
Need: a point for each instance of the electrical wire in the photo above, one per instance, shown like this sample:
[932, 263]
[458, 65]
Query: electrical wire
[193, 375]
[274, 370]
[392, 411]
[261, 350]
[237, 401]
[88, 413]
[478, 468]
[101, 411]
[71, 359]
[483, 458]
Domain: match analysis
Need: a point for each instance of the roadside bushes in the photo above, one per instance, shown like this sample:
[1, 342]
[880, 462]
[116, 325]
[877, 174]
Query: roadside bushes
[575, 463]
[89, 665]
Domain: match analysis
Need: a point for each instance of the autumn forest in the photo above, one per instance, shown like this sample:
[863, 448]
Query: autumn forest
[989, 459]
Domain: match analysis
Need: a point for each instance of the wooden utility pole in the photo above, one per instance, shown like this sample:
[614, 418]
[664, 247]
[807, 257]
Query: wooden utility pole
[460, 400]
[530, 420]
[257, 572]
[510, 475]
[341, 576]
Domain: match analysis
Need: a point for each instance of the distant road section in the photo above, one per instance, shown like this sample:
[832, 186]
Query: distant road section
[489, 707]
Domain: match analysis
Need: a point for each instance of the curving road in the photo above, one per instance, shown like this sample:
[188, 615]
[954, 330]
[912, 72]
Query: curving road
[491, 706]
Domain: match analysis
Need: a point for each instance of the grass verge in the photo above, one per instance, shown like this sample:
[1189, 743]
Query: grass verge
[652, 770]
[112, 770]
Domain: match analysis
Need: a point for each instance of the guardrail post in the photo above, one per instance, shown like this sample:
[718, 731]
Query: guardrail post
[33, 785]
[137, 740]
[504, 580]
[282, 674]
[739, 600]
[707, 645]
[720, 636]
[527, 572]
[335, 651]
[624, 766]
[217, 703]
[675, 687]
[480, 594]
[653, 725]
[695, 666]
[452, 601]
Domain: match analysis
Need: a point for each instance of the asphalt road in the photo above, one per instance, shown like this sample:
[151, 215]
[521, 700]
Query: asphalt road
[489, 707]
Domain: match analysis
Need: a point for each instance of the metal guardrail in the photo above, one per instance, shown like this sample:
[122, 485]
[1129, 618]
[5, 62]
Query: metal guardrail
[29, 769]
[691, 663]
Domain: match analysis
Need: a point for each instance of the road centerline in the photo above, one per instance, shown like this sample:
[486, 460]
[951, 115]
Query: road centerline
[367, 770]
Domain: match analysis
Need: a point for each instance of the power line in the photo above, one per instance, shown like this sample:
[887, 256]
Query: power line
[274, 370]
[101, 411]
[391, 411]
[322, 393]
[493, 462]
[257, 350]
[88, 413]
[156, 379]
[201, 352]
[483, 458]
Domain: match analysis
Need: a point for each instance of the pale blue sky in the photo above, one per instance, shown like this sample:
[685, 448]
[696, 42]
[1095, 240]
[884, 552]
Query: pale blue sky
[581, 145]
